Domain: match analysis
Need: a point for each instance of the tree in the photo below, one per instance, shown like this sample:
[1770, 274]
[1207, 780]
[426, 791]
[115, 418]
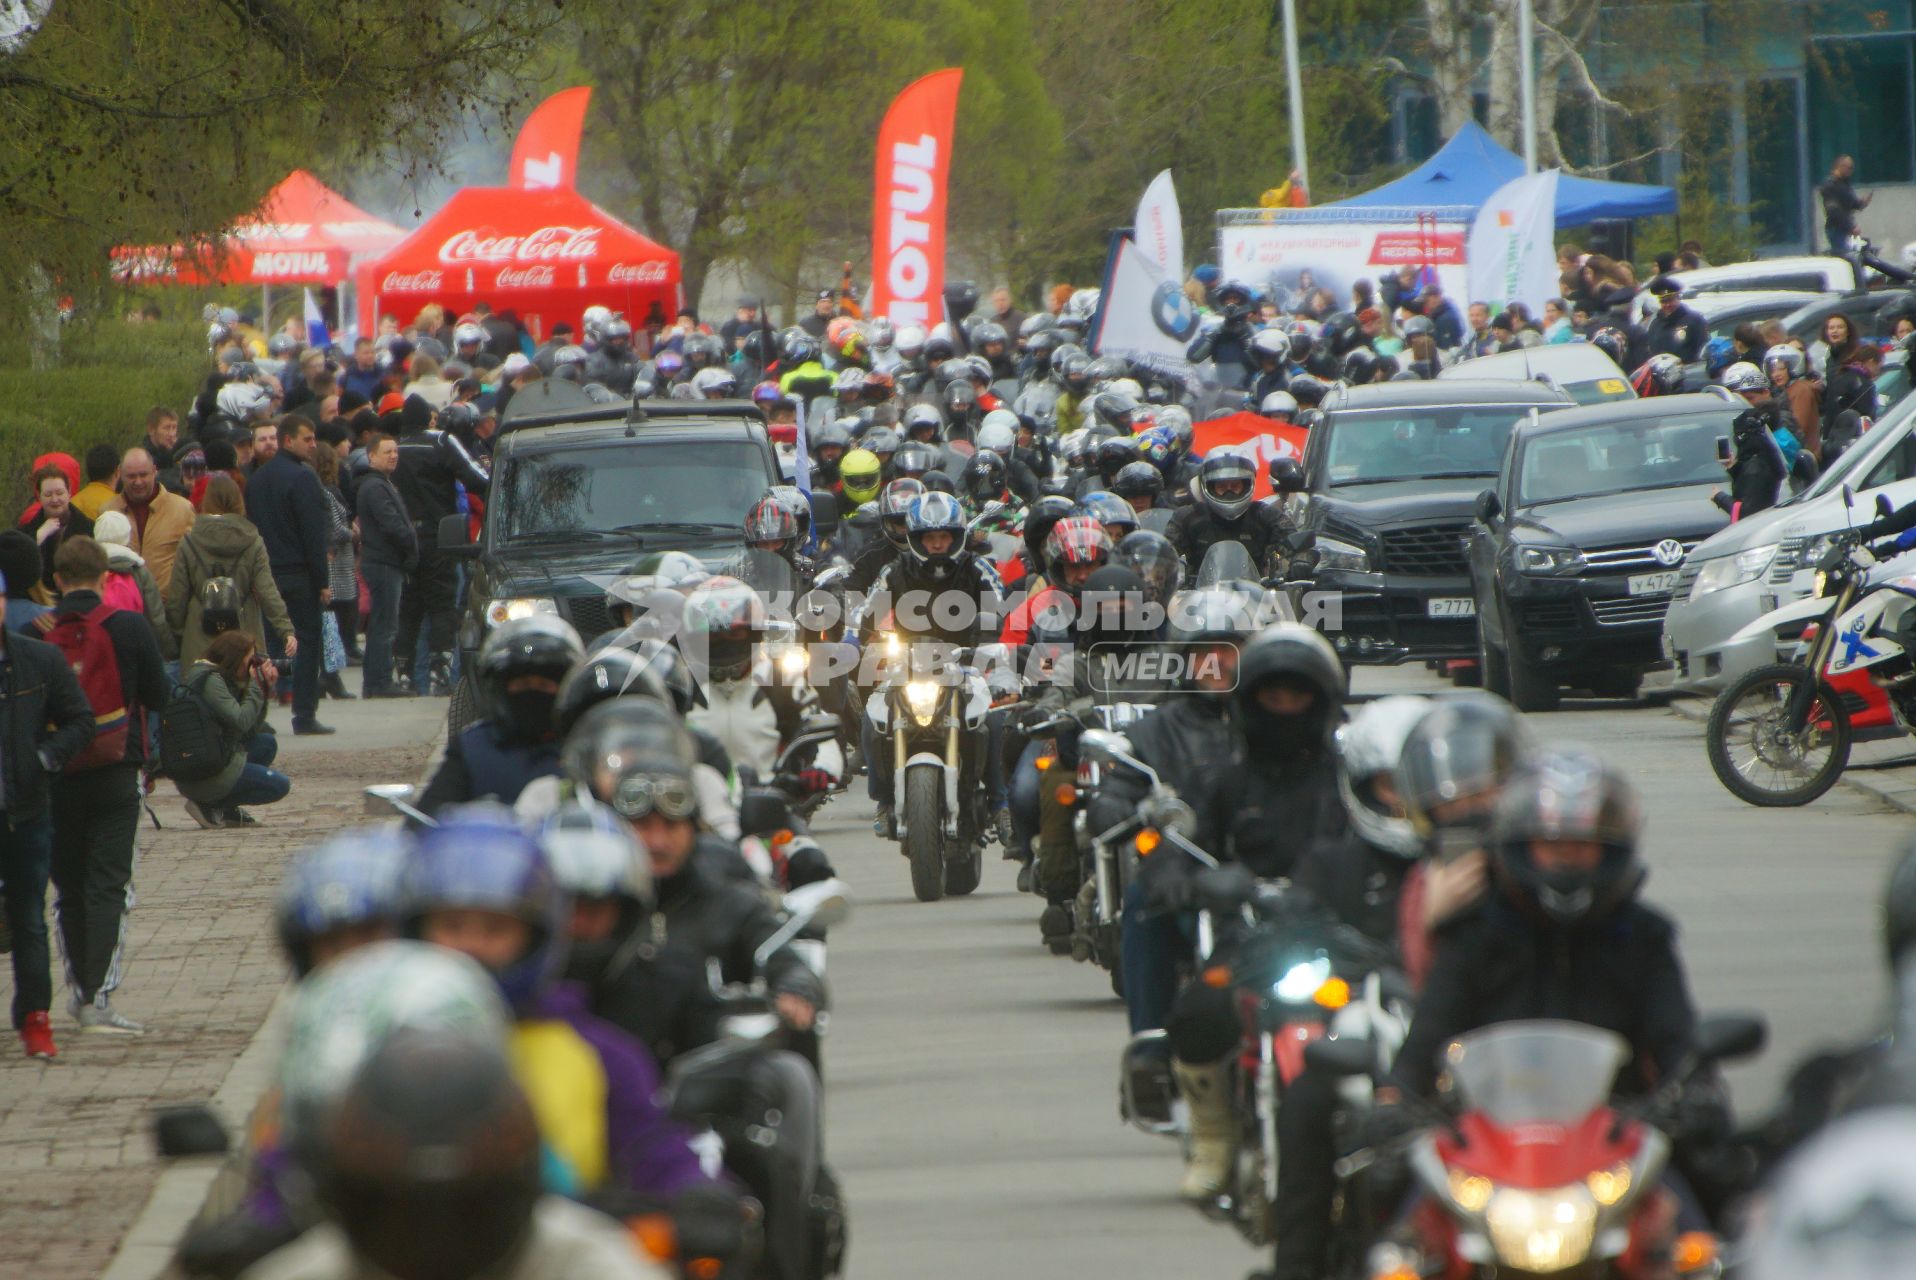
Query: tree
[162, 120]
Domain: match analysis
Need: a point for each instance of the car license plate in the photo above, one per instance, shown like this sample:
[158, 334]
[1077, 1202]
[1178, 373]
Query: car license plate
[1451, 607]
[1652, 584]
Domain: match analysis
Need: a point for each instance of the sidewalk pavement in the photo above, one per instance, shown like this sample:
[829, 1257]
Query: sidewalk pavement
[203, 969]
[1884, 770]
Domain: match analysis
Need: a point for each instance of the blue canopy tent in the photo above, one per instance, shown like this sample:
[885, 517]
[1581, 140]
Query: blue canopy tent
[1467, 170]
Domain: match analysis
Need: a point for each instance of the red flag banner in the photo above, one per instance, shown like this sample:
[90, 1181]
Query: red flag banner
[546, 154]
[908, 200]
[1253, 435]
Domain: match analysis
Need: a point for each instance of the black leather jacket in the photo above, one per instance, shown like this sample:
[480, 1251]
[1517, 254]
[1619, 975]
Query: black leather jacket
[713, 916]
[431, 461]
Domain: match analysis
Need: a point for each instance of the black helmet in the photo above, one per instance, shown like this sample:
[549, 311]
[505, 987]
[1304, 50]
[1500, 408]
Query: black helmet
[612, 672]
[1462, 750]
[987, 333]
[1419, 327]
[1611, 341]
[1568, 794]
[431, 1162]
[1308, 390]
[795, 347]
[939, 347]
[1109, 510]
[1114, 454]
[1138, 480]
[932, 513]
[829, 436]
[1360, 366]
[1294, 654]
[985, 478]
[540, 645]
[1341, 331]
[1039, 519]
[1040, 348]
[1323, 362]
[1220, 470]
[1074, 368]
[1115, 410]
[914, 461]
[951, 371]
[636, 755]
[894, 507]
[1300, 341]
[1151, 556]
[960, 399]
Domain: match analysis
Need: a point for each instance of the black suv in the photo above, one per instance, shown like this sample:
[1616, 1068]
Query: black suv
[581, 490]
[1389, 479]
[1578, 547]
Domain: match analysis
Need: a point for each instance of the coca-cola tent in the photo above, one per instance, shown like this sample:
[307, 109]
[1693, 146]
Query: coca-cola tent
[546, 254]
[304, 232]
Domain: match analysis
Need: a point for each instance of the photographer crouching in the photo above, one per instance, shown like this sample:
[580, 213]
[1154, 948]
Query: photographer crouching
[234, 684]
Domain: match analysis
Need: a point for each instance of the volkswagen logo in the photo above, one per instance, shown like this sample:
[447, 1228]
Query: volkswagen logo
[1668, 552]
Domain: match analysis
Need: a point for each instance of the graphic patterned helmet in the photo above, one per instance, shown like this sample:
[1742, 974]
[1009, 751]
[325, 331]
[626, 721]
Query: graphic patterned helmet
[1073, 542]
[1660, 375]
[894, 507]
[730, 618]
[1612, 342]
[986, 478]
[345, 882]
[770, 520]
[928, 515]
[1744, 376]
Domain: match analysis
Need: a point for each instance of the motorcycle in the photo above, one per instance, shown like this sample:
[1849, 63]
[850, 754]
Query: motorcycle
[929, 713]
[1781, 735]
[1296, 977]
[754, 1106]
[1540, 1174]
[776, 811]
[1105, 851]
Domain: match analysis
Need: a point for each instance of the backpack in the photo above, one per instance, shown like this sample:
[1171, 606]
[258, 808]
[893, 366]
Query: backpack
[220, 599]
[82, 640]
[193, 746]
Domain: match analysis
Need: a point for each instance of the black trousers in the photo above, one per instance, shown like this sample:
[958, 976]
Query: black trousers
[96, 815]
[430, 600]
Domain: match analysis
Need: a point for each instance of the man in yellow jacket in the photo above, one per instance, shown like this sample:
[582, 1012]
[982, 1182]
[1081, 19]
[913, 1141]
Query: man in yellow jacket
[160, 518]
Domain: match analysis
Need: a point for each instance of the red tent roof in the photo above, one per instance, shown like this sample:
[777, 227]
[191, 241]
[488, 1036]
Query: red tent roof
[303, 231]
[547, 254]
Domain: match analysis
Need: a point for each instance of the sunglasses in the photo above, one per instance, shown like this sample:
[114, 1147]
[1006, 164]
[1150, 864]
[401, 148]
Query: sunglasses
[639, 794]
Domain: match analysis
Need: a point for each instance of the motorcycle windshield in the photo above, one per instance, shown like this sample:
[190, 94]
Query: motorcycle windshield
[1536, 1072]
[1226, 562]
[767, 573]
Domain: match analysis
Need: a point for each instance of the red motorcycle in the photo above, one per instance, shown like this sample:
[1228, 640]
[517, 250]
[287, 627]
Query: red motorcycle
[1540, 1175]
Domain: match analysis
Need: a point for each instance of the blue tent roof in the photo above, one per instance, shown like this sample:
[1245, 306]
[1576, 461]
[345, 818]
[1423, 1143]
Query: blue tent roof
[1467, 170]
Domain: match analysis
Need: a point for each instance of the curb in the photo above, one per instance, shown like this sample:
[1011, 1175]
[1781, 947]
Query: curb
[1901, 799]
[190, 1191]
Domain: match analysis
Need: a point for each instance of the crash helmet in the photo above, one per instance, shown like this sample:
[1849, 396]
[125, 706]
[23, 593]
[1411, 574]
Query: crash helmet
[985, 478]
[1291, 654]
[594, 320]
[914, 461]
[1568, 794]
[729, 618]
[929, 515]
[1308, 390]
[715, 384]
[1114, 454]
[909, 341]
[1785, 355]
[1226, 484]
[349, 881]
[597, 860]
[923, 423]
[669, 365]
[1151, 556]
[1369, 746]
[614, 671]
[1176, 419]
[1360, 366]
[1280, 406]
[1075, 547]
[1272, 346]
[1116, 515]
[1744, 377]
[771, 521]
[1040, 518]
[880, 333]
[998, 432]
[1660, 375]
[1456, 759]
[861, 473]
[1613, 342]
[796, 347]
[1137, 480]
[539, 645]
[894, 508]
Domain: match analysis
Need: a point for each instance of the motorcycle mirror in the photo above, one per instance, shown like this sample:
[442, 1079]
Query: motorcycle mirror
[823, 902]
[189, 1131]
[1849, 497]
[762, 811]
[1104, 746]
[1344, 1056]
[1726, 1037]
[1286, 475]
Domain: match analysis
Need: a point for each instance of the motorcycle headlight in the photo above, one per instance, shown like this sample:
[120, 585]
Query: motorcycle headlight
[922, 697]
[1549, 559]
[1732, 571]
[794, 662]
[1542, 1231]
[1334, 553]
[892, 647]
[516, 607]
[1301, 981]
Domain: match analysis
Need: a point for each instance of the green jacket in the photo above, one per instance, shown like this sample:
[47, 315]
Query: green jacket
[238, 718]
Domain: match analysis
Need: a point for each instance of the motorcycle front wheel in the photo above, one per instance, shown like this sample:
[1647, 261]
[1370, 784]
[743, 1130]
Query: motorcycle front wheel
[925, 831]
[1755, 755]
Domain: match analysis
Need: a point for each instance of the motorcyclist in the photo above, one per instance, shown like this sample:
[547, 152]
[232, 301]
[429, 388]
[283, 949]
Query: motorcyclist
[859, 476]
[1227, 344]
[1271, 349]
[1140, 484]
[636, 757]
[1226, 512]
[613, 365]
[479, 885]
[1279, 406]
[998, 433]
[520, 667]
[1759, 465]
[829, 445]
[433, 465]
[894, 506]
[772, 526]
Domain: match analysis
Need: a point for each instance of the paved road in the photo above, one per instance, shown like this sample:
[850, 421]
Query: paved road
[972, 1076]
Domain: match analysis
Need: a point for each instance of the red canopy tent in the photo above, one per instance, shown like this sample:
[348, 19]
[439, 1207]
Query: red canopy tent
[545, 254]
[304, 232]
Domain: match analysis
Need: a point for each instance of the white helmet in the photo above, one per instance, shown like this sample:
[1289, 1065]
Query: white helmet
[571, 353]
[1278, 404]
[594, 320]
[1082, 304]
[998, 432]
[879, 332]
[1744, 376]
[1909, 255]
[1127, 386]
[715, 384]
[1368, 746]
[467, 333]
[1789, 357]
[910, 340]
[242, 401]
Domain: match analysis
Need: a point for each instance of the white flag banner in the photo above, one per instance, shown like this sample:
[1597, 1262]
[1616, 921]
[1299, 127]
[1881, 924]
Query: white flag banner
[1159, 228]
[1143, 314]
[1512, 254]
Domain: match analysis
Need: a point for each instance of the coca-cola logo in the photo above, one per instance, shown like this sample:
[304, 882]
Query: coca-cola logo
[413, 282]
[547, 244]
[636, 273]
[524, 278]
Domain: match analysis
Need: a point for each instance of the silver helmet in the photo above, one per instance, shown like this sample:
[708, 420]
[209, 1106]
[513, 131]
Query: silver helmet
[1368, 747]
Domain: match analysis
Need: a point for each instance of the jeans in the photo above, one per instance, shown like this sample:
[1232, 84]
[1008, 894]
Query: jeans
[384, 585]
[302, 606]
[26, 856]
[1026, 802]
[1150, 949]
[258, 784]
[96, 815]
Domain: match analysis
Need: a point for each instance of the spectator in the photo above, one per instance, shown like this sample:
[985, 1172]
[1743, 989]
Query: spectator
[129, 583]
[824, 311]
[1479, 341]
[69, 467]
[1007, 316]
[53, 522]
[1691, 256]
[427, 384]
[163, 442]
[743, 321]
[20, 562]
[222, 544]
[265, 445]
[1436, 308]
[1747, 339]
[545, 357]
[341, 580]
[389, 551]
[96, 809]
[160, 519]
[102, 472]
[46, 723]
[236, 684]
[222, 459]
[364, 375]
[286, 504]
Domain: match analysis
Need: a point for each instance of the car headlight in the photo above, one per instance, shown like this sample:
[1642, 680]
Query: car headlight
[1549, 559]
[1301, 981]
[516, 607]
[1542, 1231]
[922, 697]
[1334, 553]
[1733, 570]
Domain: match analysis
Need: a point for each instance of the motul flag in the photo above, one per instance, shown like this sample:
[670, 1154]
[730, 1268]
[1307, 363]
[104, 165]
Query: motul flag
[908, 200]
[547, 151]
[1254, 436]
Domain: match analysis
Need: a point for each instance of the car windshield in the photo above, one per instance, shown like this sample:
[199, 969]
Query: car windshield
[1844, 469]
[1374, 446]
[1622, 457]
[1536, 1072]
[631, 487]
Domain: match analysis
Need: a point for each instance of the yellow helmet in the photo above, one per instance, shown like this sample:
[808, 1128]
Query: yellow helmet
[861, 471]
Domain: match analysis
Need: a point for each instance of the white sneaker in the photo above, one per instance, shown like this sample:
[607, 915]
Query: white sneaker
[206, 815]
[104, 1019]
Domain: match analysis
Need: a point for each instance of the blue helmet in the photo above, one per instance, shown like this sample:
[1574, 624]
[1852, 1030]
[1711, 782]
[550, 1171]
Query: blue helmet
[1116, 515]
[935, 513]
[479, 859]
[347, 881]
